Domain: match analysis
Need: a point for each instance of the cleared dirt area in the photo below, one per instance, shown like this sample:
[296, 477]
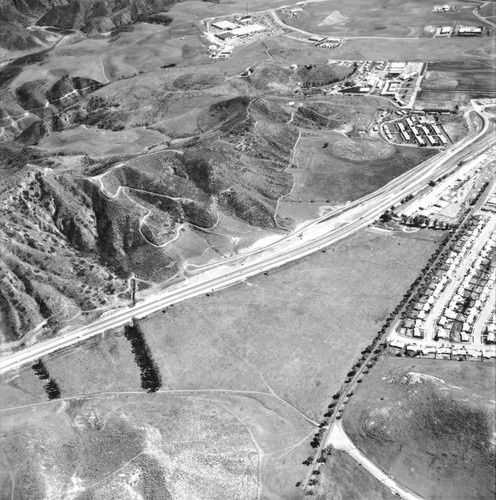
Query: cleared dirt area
[341, 478]
[422, 49]
[429, 419]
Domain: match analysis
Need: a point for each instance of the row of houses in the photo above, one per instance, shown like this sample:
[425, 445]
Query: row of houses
[462, 311]
[417, 128]
[443, 351]
[414, 325]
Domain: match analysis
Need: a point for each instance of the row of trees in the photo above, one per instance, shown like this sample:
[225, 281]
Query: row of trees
[151, 380]
[376, 347]
[51, 387]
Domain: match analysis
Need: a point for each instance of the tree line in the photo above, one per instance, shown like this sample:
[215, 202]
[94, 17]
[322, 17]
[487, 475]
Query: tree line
[151, 380]
[51, 387]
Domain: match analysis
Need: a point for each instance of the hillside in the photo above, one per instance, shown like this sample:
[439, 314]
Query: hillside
[71, 242]
[19, 20]
[431, 417]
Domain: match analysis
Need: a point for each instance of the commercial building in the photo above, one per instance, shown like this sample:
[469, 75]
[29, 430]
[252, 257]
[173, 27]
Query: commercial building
[224, 25]
[470, 30]
[247, 30]
[225, 35]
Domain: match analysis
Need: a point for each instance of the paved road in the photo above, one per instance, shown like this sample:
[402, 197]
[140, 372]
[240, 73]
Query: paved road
[340, 440]
[307, 239]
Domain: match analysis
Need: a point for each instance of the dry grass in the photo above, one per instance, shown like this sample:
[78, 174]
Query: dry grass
[345, 170]
[380, 18]
[341, 478]
[295, 332]
[101, 143]
[158, 446]
[442, 430]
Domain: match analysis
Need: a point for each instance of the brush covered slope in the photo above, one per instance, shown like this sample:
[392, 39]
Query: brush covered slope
[72, 237]
[21, 21]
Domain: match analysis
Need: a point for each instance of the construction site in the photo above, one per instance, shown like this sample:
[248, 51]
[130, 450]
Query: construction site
[226, 33]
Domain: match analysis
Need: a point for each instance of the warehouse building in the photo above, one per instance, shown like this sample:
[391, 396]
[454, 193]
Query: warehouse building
[224, 25]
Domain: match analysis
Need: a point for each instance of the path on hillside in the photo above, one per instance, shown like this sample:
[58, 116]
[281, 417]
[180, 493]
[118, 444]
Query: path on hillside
[340, 440]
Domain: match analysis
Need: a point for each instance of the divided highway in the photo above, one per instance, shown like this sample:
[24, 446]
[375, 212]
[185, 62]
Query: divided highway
[305, 240]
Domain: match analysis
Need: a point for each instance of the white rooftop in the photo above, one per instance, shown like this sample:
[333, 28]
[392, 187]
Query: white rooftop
[224, 25]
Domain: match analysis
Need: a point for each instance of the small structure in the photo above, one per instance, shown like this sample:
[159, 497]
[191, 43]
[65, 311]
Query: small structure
[396, 68]
[224, 35]
[316, 39]
[470, 30]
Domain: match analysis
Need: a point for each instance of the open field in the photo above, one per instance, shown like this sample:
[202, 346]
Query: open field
[471, 76]
[288, 339]
[431, 417]
[341, 478]
[380, 18]
[101, 143]
[332, 169]
[423, 49]
[267, 334]
[144, 47]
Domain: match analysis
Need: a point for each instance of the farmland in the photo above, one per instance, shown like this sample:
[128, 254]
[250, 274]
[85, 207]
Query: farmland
[434, 418]
[473, 76]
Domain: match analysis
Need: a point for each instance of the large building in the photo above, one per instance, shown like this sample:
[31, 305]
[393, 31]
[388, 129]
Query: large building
[247, 30]
[224, 25]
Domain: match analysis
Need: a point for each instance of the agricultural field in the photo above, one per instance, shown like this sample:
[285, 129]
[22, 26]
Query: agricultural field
[421, 49]
[475, 78]
[380, 19]
[428, 419]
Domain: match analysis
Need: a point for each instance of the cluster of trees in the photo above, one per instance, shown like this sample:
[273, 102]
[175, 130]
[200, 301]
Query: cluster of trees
[415, 221]
[151, 380]
[51, 387]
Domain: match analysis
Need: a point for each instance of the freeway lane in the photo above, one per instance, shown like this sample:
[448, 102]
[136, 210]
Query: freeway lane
[305, 240]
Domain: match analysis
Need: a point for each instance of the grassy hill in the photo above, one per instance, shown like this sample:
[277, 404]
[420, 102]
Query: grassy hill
[429, 419]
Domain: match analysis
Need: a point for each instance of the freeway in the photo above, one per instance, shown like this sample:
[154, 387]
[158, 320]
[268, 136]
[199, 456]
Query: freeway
[305, 240]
